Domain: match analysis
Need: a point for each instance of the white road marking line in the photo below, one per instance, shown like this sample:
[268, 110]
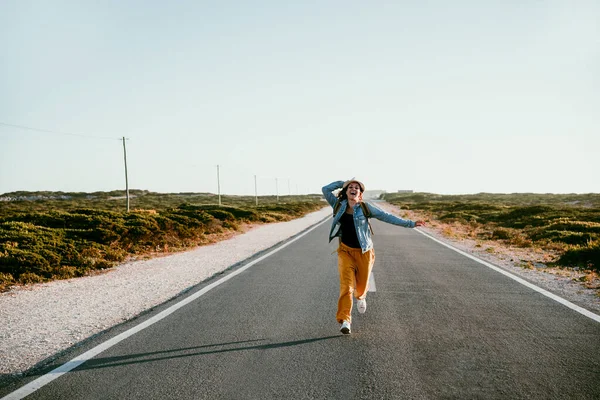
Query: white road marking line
[372, 287]
[538, 289]
[77, 361]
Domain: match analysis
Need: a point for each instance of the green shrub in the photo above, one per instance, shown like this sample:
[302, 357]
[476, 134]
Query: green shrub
[65, 272]
[30, 277]
[236, 213]
[6, 280]
[17, 261]
[501, 234]
[586, 257]
[575, 226]
[574, 238]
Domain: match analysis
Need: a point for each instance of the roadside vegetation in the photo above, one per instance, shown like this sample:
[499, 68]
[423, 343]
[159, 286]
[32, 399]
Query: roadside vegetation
[566, 226]
[54, 235]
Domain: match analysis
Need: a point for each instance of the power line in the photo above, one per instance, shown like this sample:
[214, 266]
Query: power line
[58, 133]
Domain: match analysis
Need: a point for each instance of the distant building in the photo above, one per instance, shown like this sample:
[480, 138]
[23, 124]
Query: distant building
[373, 194]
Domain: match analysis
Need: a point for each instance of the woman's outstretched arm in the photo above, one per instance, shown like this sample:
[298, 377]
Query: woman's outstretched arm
[381, 215]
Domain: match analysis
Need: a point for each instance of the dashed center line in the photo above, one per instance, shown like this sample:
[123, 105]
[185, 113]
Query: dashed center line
[371, 286]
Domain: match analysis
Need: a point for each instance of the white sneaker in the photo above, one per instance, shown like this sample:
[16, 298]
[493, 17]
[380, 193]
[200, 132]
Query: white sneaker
[361, 305]
[345, 329]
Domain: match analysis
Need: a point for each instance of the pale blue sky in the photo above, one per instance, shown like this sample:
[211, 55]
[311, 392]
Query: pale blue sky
[434, 96]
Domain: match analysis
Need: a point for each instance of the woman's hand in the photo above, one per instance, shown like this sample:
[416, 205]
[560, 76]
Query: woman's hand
[419, 223]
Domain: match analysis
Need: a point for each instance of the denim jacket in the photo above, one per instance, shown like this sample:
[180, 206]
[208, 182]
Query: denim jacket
[361, 224]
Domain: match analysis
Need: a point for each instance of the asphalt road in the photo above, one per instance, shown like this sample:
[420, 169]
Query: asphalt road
[439, 325]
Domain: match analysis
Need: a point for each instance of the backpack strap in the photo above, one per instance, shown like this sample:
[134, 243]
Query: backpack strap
[365, 210]
[367, 213]
[336, 206]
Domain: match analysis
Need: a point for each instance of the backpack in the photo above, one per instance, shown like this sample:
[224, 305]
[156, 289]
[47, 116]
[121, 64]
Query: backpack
[365, 209]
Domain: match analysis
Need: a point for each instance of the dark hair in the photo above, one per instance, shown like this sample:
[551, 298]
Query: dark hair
[343, 195]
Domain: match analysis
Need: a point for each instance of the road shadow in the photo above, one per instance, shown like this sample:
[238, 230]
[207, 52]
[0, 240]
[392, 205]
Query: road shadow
[194, 351]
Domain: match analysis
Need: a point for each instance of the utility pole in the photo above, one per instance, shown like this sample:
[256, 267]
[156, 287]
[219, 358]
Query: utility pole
[219, 185]
[126, 179]
[289, 190]
[277, 189]
[255, 191]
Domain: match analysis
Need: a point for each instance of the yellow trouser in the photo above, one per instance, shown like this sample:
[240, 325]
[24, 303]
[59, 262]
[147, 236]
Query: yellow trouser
[354, 268]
